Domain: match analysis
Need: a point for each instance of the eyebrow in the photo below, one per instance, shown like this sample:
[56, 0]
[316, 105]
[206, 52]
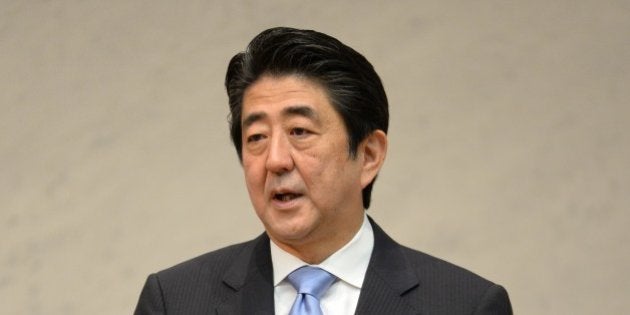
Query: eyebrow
[301, 110]
[297, 110]
[252, 118]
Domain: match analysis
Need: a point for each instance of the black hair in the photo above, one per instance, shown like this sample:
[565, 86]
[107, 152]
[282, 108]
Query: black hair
[353, 87]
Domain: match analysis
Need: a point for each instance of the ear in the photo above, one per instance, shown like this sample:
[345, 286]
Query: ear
[373, 150]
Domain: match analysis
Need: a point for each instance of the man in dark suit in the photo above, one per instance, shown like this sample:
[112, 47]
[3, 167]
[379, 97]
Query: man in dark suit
[309, 117]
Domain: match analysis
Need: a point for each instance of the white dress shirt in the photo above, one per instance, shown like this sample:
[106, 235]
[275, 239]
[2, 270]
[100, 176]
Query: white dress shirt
[349, 264]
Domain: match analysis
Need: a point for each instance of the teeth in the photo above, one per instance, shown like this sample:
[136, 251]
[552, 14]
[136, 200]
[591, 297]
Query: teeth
[285, 197]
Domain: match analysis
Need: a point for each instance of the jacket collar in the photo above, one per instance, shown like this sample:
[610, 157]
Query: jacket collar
[389, 279]
[386, 289]
[251, 281]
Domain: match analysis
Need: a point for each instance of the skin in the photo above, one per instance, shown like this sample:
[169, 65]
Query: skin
[304, 186]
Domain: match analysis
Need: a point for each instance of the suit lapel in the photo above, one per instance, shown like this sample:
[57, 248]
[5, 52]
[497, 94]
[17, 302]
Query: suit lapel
[251, 281]
[387, 289]
[389, 281]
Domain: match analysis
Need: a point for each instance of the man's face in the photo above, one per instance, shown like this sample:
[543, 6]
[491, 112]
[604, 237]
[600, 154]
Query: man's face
[302, 183]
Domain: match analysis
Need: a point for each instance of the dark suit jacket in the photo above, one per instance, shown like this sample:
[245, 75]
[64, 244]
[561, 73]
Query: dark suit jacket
[239, 280]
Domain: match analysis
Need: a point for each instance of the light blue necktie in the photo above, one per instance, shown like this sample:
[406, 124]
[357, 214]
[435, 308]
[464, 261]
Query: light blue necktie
[310, 283]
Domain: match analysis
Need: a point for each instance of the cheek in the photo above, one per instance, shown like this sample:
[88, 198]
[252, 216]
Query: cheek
[322, 173]
[254, 176]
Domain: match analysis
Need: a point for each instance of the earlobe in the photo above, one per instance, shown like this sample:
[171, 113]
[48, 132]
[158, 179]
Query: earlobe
[374, 149]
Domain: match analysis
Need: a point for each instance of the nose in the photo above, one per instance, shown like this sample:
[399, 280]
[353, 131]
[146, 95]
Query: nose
[279, 159]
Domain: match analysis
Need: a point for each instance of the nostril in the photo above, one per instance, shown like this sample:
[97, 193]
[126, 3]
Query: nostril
[279, 171]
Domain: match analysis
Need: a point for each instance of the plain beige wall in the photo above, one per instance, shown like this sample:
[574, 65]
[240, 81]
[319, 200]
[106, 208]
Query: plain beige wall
[510, 143]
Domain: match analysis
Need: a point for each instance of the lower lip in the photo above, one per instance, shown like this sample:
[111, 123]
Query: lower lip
[286, 205]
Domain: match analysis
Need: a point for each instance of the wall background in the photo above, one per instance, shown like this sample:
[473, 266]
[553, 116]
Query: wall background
[510, 144]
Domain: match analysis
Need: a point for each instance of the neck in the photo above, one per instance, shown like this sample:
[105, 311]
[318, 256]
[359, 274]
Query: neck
[314, 250]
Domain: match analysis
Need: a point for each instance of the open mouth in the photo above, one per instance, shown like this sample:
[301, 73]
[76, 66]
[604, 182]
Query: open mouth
[286, 196]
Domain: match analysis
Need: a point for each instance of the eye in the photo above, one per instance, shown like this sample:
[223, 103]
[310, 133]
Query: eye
[299, 132]
[255, 138]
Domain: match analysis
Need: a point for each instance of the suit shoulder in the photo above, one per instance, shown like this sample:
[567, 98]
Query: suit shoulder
[196, 285]
[453, 289]
[431, 268]
[441, 275]
[209, 265]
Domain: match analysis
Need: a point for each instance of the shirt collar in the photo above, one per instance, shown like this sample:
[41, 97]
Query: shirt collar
[349, 263]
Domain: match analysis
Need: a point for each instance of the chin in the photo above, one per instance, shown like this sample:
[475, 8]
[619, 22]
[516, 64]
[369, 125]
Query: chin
[290, 232]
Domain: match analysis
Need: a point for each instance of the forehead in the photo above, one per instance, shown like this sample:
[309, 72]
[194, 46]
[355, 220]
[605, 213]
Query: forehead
[270, 93]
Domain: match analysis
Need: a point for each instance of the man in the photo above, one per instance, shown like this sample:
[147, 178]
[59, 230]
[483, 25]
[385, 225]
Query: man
[309, 118]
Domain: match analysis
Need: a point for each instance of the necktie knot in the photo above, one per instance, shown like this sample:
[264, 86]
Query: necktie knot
[311, 280]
